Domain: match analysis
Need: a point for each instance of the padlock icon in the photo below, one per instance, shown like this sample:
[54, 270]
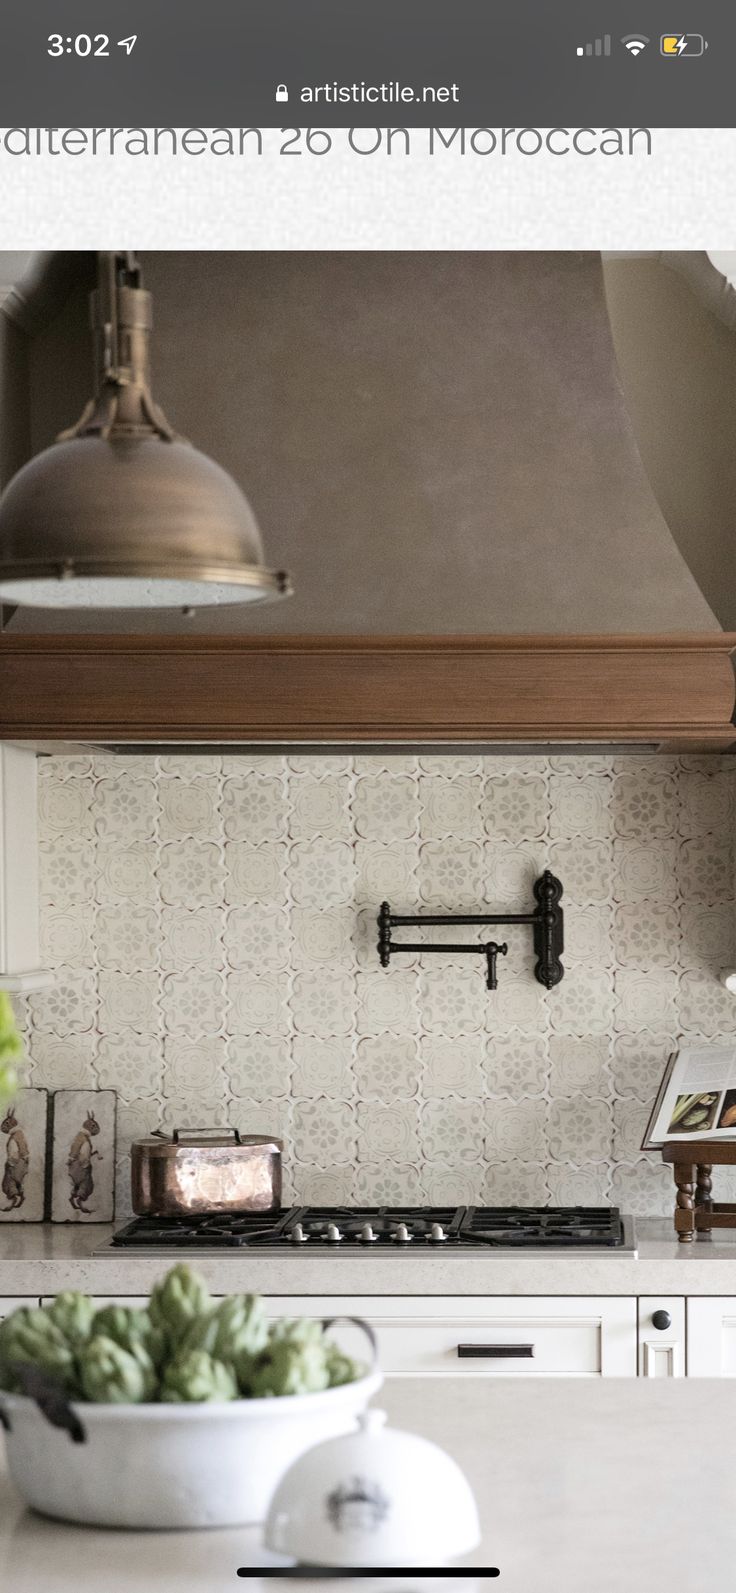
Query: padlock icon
[282, 93]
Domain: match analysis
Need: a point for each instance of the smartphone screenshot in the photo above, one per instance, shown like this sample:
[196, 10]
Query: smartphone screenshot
[367, 796]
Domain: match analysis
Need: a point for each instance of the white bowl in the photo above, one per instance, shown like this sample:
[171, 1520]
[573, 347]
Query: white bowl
[210, 1465]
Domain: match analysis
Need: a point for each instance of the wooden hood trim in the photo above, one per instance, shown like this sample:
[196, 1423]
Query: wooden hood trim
[675, 691]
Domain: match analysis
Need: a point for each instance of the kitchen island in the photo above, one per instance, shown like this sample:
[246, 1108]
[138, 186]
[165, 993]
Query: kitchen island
[581, 1486]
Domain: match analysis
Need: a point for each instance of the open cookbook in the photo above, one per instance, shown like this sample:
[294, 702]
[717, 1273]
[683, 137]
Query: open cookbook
[697, 1097]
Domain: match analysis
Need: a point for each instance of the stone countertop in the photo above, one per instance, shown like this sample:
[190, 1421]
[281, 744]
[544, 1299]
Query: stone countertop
[38, 1259]
[580, 1486]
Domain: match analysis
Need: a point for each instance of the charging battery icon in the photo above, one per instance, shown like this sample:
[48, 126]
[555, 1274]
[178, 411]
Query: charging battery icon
[683, 44]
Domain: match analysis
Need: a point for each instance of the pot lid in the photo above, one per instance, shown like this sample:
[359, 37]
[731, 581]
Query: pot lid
[159, 1143]
[374, 1497]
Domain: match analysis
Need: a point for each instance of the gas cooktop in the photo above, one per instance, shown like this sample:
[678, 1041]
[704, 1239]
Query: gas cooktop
[321, 1229]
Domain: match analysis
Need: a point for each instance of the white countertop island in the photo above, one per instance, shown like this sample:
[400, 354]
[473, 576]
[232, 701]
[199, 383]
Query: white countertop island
[583, 1487]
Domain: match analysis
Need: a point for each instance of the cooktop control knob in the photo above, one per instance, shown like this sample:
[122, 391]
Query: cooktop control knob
[402, 1235]
[333, 1234]
[437, 1235]
[297, 1235]
[367, 1236]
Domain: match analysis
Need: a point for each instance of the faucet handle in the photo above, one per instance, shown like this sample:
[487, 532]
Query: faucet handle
[493, 950]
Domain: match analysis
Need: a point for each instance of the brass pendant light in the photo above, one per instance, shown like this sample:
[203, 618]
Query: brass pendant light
[120, 512]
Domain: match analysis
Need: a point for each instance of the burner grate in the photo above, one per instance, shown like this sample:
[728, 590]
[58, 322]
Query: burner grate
[316, 1229]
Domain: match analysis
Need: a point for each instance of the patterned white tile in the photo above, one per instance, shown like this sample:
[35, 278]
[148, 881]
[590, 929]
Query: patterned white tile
[191, 938]
[254, 807]
[452, 1130]
[68, 1006]
[65, 1064]
[324, 1131]
[257, 1065]
[65, 936]
[453, 1067]
[193, 1003]
[320, 806]
[450, 809]
[127, 938]
[578, 1186]
[129, 1001]
[257, 938]
[516, 1129]
[213, 924]
[257, 1004]
[515, 1183]
[580, 807]
[190, 873]
[580, 1129]
[322, 873]
[194, 1068]
[323, 1007]
[387, 1067]
[646, 935]
[125, 809]
[515, 804]
[449, 874]
[516, 1064]
[189, 807]
[578, 1065]
[322, 1067]
[646, 999]
[130, 1063]
[255, 873]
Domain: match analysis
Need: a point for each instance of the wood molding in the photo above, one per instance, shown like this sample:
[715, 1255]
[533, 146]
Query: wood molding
[675, 691]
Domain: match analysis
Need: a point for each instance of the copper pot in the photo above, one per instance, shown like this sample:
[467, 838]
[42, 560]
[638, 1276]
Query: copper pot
[198, 1171]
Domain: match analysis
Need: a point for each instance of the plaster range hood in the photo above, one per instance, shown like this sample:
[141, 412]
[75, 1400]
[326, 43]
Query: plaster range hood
[443, 443]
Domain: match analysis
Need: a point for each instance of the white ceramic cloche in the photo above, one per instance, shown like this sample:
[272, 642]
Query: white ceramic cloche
[374, 1497]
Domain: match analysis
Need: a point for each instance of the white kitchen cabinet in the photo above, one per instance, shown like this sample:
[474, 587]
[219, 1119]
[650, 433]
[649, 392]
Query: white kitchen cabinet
[661, 1336]
[711, 1336]
[10, 1302]
[499, 1337]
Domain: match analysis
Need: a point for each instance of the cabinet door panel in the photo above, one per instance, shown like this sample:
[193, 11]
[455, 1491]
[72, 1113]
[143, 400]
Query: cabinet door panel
[711, 1337]
[661, 1343]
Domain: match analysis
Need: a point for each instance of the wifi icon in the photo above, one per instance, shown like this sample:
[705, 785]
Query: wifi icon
[635, 42]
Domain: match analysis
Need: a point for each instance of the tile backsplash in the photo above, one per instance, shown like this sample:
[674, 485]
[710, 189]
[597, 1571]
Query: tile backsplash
[212, 924]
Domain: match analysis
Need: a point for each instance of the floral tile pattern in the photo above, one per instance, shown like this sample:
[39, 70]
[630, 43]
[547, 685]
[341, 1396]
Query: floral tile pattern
[211, 921]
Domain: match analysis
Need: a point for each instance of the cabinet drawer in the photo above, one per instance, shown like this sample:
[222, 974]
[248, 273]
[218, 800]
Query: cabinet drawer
[490, 1337]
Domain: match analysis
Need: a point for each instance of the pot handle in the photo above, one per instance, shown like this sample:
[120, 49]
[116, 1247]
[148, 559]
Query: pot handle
[178, 1135]
[51, 1400]
[360, 1322]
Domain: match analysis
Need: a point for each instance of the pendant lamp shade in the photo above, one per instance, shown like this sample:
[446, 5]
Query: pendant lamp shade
[120, 512]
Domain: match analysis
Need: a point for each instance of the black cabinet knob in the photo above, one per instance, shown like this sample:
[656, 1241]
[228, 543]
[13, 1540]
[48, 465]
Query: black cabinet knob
[661, 1320]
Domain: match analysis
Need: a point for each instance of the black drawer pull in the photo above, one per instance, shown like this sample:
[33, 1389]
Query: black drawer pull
[495, 1352]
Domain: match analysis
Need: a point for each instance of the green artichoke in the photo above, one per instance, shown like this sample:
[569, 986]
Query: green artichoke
[195, 1377]
[341, 1368]
[288, 1367]
[175, 1302]
[73, 1314]
[111, 1375]
[296, 1330]
[130, 1325]
[29, 1337]
[238, 1326]
[11, 1048]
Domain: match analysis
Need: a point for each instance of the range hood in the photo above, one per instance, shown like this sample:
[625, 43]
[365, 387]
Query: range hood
[443, 443]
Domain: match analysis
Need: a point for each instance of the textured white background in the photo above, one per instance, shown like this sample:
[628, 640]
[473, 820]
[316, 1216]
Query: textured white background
[212, 922]
[680, 197]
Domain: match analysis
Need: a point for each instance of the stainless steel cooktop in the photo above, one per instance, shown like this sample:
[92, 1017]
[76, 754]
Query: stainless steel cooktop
[317, 1230]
